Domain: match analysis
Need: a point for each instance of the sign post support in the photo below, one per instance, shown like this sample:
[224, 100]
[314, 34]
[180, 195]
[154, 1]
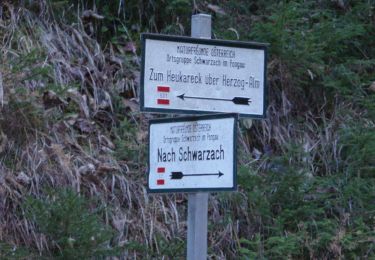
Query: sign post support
[198, 202]
[197, 226]
[199, 75]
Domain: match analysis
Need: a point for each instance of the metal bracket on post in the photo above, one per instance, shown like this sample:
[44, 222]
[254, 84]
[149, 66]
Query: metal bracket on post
[198, 202]
[201, 26]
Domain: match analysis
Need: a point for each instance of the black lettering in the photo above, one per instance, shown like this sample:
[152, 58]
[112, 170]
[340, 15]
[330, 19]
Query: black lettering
[156, 76]
[194, 157]
[166, 156]
[160, 154]
[180, 158]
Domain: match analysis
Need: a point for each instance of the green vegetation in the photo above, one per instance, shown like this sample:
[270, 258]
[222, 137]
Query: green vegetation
[75, 231]
[70, 122]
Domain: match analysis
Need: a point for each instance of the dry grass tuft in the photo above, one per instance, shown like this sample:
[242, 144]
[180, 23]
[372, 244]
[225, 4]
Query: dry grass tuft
[70, 72]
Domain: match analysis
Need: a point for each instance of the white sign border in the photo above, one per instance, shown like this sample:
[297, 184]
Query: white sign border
[238, 44]
[192, 119]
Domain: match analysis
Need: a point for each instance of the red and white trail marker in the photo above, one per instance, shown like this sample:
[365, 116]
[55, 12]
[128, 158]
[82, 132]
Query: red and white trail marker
[160, 171]
[163, 95]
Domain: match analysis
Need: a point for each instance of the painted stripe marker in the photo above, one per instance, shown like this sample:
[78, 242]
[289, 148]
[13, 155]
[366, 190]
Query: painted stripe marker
[163, 89]
[161, 170]
[163, 101]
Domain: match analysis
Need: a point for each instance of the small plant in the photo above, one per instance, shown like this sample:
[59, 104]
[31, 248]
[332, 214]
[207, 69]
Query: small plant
[127, 147]
[8, 251]
[250, 248]
[172, 249]
[74, 231]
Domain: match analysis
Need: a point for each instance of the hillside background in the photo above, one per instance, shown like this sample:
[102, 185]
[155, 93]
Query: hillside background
[73, 143]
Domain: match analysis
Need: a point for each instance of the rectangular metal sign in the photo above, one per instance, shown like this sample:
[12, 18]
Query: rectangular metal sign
[192, 153]
[193, 75]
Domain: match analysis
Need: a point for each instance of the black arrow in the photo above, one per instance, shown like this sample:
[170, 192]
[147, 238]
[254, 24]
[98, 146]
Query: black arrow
[180, 175]
[235, 100]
